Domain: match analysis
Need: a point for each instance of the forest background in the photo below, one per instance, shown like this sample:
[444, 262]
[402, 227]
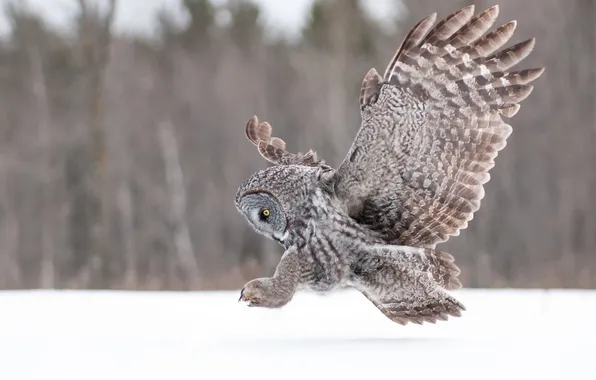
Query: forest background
[120, 154]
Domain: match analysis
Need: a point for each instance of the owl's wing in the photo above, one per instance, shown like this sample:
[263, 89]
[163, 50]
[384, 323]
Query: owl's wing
[432, 127]
[273, 149]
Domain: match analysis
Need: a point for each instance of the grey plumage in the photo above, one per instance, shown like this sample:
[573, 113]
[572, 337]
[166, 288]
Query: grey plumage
[431, 128]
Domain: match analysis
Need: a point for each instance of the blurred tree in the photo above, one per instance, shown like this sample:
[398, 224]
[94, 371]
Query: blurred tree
[343, 39]
[95, 37]
[245, 26]
[158, 212]
[198, 32]
[30, 42]
[340, 24]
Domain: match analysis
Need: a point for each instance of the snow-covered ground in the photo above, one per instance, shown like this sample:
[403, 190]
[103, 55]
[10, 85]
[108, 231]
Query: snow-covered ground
[504, 334]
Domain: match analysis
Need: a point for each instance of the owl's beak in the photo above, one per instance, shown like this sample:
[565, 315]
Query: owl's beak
[241, 295]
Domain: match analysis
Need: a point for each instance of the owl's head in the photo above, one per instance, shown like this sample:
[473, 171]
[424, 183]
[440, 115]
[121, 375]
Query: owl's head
[270, 199]
[265, 213]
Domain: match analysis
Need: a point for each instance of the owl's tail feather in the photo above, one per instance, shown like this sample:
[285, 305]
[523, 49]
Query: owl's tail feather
[409, 284]
[443, 269]
[437, 307]
[432, 311]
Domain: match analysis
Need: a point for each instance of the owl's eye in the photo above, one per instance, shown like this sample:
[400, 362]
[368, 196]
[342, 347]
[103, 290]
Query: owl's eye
[265, 213]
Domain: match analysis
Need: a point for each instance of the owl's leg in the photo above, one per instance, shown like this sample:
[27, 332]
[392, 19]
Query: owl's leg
[276, 291]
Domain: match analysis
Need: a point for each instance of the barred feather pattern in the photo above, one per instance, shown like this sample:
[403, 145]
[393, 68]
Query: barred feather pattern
[387, 282]
[432, 127]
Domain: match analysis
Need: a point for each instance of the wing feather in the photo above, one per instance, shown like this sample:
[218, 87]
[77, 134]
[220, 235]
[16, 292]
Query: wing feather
[432, 128]
[449, 25]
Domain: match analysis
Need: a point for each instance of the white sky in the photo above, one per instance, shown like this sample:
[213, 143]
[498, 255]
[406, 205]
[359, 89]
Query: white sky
[139, 15]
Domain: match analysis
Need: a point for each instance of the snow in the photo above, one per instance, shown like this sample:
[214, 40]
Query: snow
[112, 335]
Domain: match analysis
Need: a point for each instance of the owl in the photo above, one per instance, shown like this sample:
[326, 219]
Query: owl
[431, 127]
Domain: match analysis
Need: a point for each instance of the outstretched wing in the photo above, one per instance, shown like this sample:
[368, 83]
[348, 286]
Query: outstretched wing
[432, 127]
[273, 149]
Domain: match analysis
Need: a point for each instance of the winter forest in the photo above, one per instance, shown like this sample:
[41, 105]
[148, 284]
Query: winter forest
[121, 154]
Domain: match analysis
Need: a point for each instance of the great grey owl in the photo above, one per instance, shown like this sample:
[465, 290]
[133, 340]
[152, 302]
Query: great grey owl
[431, 128]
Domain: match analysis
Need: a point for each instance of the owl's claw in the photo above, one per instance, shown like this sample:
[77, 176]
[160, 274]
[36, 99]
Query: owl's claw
[250, 300]
[245, 297]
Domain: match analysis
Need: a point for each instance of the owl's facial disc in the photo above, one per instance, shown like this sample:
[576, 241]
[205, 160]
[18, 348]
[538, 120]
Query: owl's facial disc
[264, 212]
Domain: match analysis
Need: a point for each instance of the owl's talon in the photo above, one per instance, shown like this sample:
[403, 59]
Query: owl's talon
[247, 298]
[252, 302]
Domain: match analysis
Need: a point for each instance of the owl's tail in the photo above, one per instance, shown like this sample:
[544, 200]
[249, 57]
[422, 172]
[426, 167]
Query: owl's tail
[443, 269]
[409, 284]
